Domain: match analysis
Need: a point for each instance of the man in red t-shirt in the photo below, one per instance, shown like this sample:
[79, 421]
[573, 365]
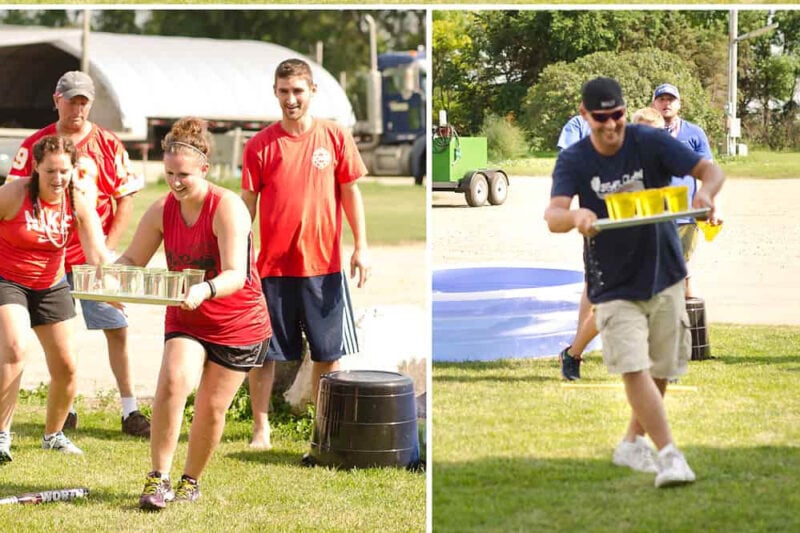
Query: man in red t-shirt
[299, 175]
[103, 173]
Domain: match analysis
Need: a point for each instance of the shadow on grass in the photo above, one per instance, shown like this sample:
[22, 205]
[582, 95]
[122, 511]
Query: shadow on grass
[36, 430]
[268, 457]
[737, 489]
[505, 370]
[759, 360]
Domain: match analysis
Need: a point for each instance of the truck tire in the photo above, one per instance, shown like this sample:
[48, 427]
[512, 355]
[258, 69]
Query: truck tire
[478, 190]
[498, 188]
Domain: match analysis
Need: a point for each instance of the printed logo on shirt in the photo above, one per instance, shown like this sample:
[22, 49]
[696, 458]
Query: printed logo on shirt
[86, 178]
[628, 182]
[48, 225]
[321, 158]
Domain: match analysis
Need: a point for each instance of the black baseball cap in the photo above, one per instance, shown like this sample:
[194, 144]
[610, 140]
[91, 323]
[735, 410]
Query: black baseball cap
[601, 93]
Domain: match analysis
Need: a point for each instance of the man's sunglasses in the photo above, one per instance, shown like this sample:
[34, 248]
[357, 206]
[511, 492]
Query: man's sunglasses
[603, 117]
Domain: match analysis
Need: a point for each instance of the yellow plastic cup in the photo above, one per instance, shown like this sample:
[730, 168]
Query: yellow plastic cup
[677, 198]
[621, 205]
[649, 202]
[709, 231]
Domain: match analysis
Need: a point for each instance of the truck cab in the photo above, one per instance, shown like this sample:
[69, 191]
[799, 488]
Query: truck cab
[392, 141]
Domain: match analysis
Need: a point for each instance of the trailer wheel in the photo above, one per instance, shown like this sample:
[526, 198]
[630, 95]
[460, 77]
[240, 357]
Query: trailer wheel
[478, 190]
[498, 188]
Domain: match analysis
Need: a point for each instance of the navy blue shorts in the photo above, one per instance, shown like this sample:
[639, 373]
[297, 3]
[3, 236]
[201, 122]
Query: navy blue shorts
[317, 306]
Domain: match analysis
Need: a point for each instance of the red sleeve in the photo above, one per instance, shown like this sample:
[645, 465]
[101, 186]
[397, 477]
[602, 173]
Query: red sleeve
[126, 181]
[349, 165]
[22, 166]
[252, 164]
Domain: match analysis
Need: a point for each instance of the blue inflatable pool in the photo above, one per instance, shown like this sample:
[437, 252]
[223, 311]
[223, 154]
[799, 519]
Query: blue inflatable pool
[488, 313]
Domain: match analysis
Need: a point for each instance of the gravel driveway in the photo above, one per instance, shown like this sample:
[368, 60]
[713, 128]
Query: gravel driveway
[749, 274]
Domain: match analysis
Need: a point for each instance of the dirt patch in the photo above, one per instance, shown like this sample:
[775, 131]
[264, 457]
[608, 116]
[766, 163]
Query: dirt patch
[749, 274]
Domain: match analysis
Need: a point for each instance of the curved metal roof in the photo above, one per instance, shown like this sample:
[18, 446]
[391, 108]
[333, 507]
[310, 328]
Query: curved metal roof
[141, 76]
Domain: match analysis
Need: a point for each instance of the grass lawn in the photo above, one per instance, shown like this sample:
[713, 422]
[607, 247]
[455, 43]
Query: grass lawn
[242, 490]
[395, 213]
[759, 164]
[515, 451]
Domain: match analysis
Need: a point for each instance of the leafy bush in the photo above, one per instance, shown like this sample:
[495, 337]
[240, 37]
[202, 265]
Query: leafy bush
[281, 419]
[556, 97]
[504, 138]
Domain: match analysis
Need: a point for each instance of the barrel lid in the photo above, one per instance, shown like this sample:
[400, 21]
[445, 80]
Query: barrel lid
[368, 377]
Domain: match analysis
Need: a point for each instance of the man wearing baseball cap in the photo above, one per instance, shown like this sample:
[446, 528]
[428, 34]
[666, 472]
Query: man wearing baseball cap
[667, 101]
[103, 172]
[634, 275]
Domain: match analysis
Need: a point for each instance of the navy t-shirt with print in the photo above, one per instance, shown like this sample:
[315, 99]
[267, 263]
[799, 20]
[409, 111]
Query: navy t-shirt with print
[628, 263]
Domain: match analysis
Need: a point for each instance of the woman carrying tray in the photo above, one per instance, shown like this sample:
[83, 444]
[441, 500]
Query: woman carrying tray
[221, 329]
[37, 216]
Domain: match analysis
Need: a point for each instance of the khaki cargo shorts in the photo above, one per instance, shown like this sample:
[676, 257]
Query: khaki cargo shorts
[649, 334]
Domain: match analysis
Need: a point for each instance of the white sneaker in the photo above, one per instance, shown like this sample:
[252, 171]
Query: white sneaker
[636, 455]
[60, 443]
[5, 447]
[672, 468]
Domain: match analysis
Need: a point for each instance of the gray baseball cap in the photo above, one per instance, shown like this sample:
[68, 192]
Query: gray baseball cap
[75, 83]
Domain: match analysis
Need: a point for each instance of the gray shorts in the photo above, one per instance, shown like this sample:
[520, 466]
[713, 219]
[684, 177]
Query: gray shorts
[100, 315]
[649, 334]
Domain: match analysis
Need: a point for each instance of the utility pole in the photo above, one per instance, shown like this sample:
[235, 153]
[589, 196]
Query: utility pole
[733, 123]
[85, 41]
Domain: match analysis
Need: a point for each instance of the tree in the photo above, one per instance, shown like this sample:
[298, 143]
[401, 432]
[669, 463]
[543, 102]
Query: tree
[556, 97]
[510, 49]
[453, 66]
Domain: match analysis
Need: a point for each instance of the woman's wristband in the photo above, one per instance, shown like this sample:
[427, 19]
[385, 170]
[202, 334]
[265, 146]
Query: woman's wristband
[212, 288]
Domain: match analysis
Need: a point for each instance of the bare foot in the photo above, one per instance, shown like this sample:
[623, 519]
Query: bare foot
[261, 441]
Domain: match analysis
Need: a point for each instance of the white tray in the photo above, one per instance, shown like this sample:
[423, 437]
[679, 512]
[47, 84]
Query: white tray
[128, 298]
[606, 223]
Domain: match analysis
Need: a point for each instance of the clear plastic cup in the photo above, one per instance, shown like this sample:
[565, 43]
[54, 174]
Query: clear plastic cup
[621, 205]
[649, 202]
[173, 285]
[110, 278]
[153, 282]
[83, 277]
[677, 198]
[193, 276]
[131, 280]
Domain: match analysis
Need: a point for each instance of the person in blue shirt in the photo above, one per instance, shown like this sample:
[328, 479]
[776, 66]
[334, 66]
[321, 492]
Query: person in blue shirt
[571, 357]
[667, 101]
[634, 275]
[573, 131]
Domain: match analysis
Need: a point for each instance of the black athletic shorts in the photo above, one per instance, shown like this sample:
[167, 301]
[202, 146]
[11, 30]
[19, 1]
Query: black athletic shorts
[241, 358]
[45, 306]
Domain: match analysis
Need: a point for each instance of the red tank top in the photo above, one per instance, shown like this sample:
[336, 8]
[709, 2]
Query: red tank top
[239, 319]
[33, 248]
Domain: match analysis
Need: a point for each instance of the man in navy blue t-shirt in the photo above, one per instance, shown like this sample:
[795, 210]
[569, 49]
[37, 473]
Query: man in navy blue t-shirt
[634, 275]
[667, 101]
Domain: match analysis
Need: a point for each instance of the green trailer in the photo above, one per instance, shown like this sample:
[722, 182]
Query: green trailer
[460, 165]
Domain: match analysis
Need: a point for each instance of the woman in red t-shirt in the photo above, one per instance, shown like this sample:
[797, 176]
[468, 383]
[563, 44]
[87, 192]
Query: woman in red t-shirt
[220, 330]
[37, 216]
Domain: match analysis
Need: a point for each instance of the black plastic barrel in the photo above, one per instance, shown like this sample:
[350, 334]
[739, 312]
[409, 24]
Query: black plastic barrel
[696, 309]
[365, 418]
